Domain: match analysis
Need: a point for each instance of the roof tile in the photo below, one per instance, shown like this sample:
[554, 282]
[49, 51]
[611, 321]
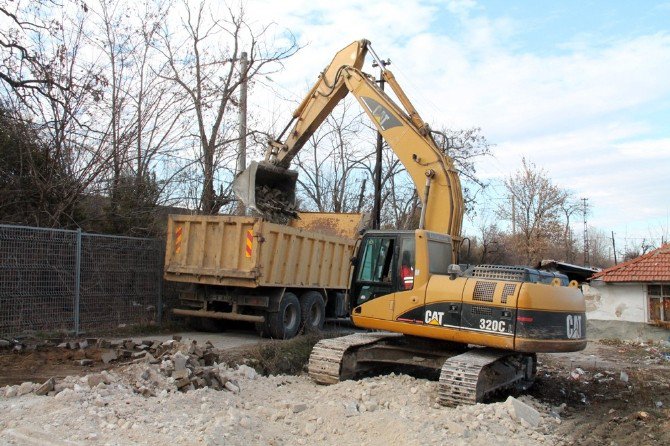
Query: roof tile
[653, 266]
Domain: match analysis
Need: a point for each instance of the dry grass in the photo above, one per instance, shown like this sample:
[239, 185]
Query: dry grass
[276, 357]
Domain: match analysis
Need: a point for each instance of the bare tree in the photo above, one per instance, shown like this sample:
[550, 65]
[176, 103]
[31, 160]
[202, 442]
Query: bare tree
[466, 147]
[60, 110]
[205, 65]
[333, 166]
[539, 205]
[141, 113]
[569, 208]
[26, 69]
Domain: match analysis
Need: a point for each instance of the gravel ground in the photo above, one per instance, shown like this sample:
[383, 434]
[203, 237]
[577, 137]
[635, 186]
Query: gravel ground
[275, 410]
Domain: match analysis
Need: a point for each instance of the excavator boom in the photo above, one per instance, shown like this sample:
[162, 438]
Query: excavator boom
[431, 170]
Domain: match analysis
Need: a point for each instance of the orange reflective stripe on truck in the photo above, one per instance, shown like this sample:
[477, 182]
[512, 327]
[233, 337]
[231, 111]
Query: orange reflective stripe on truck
[250, 240]
[177, 239]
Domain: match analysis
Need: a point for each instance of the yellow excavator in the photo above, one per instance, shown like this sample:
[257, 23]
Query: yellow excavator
[480, 329]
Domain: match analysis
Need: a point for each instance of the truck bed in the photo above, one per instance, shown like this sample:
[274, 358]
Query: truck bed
[251, 252]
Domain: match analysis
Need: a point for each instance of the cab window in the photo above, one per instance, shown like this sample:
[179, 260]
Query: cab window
[406, 264]
[377, 260]
[439, 257]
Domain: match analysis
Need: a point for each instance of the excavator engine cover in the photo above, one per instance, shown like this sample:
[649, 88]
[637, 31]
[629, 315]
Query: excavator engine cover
[267, 188]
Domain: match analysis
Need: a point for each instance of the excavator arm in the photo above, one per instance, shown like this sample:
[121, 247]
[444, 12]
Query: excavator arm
[431, 170]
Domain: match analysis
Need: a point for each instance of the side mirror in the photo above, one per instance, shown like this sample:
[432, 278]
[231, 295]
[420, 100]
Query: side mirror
[454, 271]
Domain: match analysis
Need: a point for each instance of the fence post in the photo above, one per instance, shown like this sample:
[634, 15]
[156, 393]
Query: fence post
[77, 282]
[160, 291]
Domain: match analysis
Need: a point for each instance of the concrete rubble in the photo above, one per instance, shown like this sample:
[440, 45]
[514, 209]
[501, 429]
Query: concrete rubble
[147, 367]
[177, 392]
[109, 408]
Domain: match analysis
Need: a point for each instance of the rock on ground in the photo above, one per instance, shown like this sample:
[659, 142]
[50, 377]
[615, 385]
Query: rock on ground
[109, 408]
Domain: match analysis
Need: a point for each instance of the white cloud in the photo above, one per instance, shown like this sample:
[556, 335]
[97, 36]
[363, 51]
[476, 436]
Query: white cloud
[578, 109]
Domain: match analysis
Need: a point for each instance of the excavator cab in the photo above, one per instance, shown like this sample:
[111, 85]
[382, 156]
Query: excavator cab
[266, 188]
[384, 265]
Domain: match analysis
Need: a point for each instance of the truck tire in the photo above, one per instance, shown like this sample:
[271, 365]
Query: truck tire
[312, 311]
[285, 323]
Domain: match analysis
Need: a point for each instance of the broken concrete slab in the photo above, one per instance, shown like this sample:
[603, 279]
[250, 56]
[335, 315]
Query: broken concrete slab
[179, 360]
[45, 388]
[109, 356]
[522, 412]
[25, 388]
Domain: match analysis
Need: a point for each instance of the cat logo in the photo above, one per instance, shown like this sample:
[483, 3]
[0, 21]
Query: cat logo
[383, 116]
[574, 326]
[434, 317]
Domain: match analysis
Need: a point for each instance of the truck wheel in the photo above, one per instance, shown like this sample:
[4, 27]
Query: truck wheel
[285, 323]
[313, 311]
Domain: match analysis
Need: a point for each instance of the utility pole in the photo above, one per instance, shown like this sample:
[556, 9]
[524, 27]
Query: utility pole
[361, 196]
[586, 233]
[513, 215]
[377, 207]
[614, 249]
[242, 150]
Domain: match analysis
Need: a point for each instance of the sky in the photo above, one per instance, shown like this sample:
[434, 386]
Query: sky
[579, 88]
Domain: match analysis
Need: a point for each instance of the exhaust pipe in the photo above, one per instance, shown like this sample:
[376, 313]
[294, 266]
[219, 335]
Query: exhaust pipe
[267, 188]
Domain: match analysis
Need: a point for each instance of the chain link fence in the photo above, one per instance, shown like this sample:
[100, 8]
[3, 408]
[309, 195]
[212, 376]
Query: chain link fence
[58, 280]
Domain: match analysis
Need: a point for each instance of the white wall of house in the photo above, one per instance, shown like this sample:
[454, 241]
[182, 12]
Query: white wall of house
[616, 301]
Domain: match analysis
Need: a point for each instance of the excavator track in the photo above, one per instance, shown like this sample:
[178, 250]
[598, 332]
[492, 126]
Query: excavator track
[470, 377]
[461, 377]
[326, 361]
[465, 378]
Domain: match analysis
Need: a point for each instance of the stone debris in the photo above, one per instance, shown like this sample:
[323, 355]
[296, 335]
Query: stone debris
[274, 204]
[176, 392]
[523, 412]
[170, 365]
[142, 403]
[45, 388]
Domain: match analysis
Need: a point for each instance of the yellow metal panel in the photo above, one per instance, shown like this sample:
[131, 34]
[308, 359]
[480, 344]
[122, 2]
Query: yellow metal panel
[345, 225]
[536, 296]
[213, 250]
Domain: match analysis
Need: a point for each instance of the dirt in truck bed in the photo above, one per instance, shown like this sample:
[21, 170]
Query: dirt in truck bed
[613, 393]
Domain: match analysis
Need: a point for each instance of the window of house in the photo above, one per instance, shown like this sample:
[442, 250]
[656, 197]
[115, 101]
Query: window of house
[659, 302]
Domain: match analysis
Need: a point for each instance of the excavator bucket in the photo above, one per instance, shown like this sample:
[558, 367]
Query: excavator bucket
[267, 188]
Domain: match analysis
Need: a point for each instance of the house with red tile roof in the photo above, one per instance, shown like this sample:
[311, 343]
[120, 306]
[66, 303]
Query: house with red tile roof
[637, 290]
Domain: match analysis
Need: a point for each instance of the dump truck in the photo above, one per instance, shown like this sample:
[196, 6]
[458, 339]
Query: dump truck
[283, 277]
